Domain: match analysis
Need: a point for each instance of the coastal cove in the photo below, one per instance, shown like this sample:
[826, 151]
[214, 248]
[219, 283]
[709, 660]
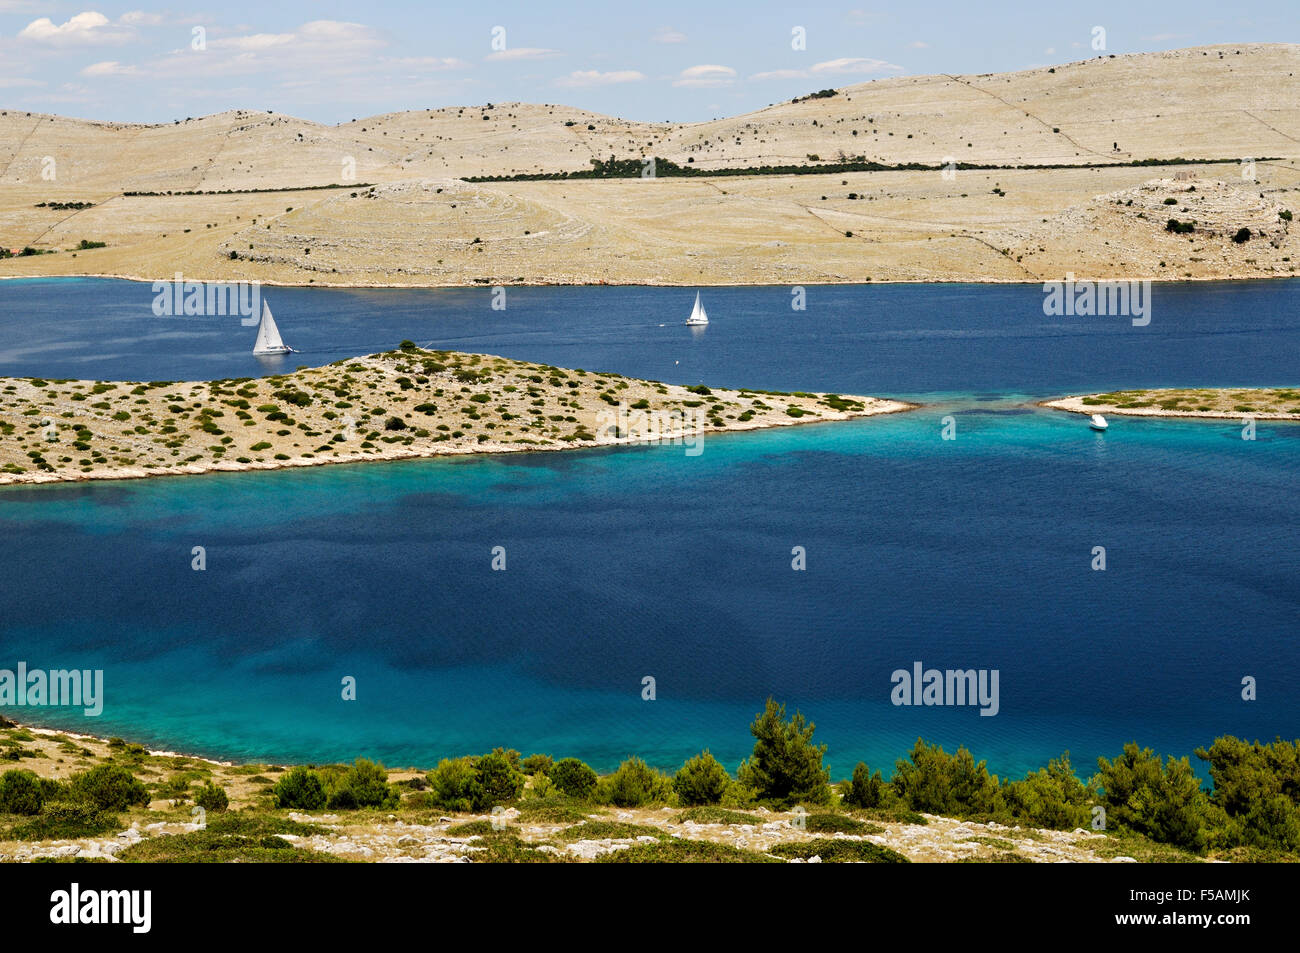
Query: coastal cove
[630, 562]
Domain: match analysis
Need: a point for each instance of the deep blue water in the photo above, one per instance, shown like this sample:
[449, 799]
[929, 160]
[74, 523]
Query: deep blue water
[623, 563]
[889, 339]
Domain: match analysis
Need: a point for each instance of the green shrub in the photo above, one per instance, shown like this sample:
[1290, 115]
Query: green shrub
[837, 851]
[826, 823]
[865, 789]
[1256, 796]
[65, 822]
[109, 787]
[786, 767]
[701, 780]
[299, 398]
[1051, 797]
[212, 798]
[634, 784]
[365, 784]
[21, 793]
[1165, 803]
[940, 783]
[300, 788]
[717, 815]
[738, 794]
[499, 778]
[536, 764]
[679, 850]
[574, 778]
[453, 785]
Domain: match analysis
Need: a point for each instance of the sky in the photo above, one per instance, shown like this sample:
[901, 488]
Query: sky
[664, 60]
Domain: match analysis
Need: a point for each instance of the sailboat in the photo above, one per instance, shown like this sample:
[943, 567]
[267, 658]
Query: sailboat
[698, 317]
[1098, 422]
[268, 335]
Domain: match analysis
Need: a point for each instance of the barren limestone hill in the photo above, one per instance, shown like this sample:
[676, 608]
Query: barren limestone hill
[419, 221]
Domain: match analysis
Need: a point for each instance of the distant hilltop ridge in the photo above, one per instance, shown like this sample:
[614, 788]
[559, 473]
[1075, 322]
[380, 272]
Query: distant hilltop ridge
[1201, 102]
[1153, 166]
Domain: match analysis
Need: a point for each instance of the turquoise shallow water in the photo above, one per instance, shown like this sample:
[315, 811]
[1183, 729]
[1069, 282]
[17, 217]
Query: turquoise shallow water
[634, 562]
[623, 563]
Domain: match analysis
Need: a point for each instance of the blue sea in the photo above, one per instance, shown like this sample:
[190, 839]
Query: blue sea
[628, 563]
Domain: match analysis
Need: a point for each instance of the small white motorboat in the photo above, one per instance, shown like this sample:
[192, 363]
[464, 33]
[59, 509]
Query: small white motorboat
[1098, 422]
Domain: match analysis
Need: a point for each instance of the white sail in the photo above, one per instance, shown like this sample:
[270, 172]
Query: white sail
[268, 335]
[698, 314]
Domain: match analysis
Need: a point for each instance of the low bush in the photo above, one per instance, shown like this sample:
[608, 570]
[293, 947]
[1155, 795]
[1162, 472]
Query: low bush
[701, 780]
[634, 784]
[109, 787]
[574, 778]
[21, 793]
[212, 798]
[865, 789]
[365, 784]
[300, 788]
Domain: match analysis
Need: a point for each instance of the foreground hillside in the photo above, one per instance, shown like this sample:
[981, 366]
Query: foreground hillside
[406, 215]
[75, 797]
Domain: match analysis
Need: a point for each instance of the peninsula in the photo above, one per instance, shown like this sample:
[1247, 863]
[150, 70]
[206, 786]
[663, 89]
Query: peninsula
[398, 404]
[1260, 403]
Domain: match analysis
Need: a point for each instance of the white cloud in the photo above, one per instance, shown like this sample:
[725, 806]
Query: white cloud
[1050, 51]
[429, 62]
[919, 45]
[591, 77]
[109, 68]
[707, 74]
[855, 64]
[782, 74]
[523, 53]
[340, 60]
[140, 18]
[84, 29]
[318, 36]
[254, 42]
[19, 82]
[667, 34]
